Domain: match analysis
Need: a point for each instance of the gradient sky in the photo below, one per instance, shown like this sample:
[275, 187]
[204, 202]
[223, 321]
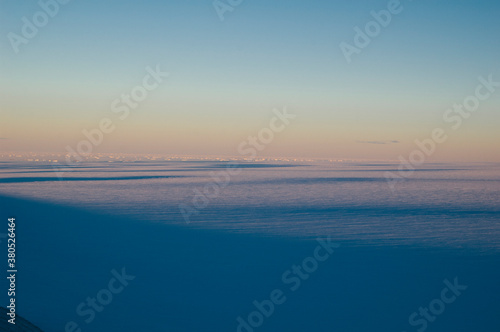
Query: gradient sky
[227, 76]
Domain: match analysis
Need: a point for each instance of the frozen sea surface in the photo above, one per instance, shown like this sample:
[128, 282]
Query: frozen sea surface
[450, 205]
[396, 254]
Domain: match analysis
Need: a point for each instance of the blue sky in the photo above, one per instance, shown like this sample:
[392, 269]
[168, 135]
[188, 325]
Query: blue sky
[227, 76]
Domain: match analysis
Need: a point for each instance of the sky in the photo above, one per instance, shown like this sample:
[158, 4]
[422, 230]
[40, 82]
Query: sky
[226, 76]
